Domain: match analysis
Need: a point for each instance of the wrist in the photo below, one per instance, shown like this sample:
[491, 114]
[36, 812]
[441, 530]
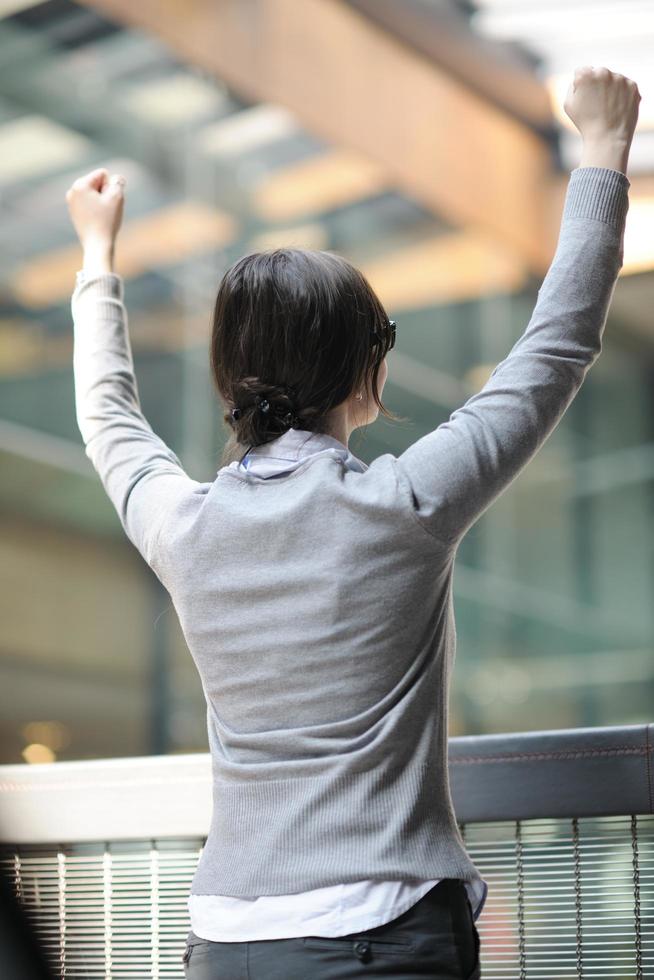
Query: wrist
[98, 255]
[608, 151]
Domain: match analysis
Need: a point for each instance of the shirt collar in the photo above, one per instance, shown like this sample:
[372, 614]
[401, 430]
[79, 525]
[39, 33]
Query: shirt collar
[289, 450]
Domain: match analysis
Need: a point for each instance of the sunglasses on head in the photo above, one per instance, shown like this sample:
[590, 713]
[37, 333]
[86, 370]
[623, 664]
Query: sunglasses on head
[378, 339]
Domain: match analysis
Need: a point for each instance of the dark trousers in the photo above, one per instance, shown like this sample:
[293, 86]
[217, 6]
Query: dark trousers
[436, 938]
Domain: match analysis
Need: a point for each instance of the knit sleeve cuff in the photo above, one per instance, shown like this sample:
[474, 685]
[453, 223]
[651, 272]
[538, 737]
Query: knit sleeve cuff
[99, 287]
[599, 193]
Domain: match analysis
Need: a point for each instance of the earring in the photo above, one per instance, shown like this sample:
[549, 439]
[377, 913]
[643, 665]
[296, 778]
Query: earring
[359, 396]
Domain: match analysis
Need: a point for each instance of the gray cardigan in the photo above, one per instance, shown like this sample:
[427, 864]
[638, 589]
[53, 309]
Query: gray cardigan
[318, 606]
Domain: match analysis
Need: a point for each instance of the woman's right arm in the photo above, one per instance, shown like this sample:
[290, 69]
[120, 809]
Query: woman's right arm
[458, 470]
[609, 152]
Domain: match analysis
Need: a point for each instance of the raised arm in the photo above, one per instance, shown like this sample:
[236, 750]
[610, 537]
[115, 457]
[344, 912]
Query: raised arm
[459, 469]
[142, 476]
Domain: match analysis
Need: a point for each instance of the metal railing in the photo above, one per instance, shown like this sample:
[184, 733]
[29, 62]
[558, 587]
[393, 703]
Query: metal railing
[101, 854]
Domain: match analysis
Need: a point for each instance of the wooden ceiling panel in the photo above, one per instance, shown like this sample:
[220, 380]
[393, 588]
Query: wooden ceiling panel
[357, 86]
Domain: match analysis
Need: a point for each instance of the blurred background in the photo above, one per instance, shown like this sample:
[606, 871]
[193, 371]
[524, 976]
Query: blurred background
[426, 142]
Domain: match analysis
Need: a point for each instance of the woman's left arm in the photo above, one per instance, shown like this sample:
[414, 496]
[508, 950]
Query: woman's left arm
[143, 477]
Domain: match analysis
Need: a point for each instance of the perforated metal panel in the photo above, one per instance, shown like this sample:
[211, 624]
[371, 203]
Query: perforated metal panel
[116, 909]
[567, 899]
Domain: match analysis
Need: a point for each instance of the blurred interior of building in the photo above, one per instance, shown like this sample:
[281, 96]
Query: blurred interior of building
[426, 142]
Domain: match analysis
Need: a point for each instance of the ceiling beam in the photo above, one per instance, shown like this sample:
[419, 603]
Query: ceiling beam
[501, 72]
[354, 84]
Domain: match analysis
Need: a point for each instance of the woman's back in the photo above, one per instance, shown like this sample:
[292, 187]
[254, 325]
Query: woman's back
[332, 618]
[325, 667]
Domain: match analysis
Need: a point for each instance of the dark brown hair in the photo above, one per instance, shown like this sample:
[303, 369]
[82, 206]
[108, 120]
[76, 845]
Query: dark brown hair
[292, 327]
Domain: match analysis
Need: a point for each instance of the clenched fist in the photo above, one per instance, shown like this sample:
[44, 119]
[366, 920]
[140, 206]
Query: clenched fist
[95, 203]
[603, 104]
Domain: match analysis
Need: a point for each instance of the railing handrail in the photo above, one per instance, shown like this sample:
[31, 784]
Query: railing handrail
[575, 772]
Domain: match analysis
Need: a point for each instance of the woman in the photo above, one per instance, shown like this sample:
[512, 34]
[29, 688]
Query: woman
[314, 591]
